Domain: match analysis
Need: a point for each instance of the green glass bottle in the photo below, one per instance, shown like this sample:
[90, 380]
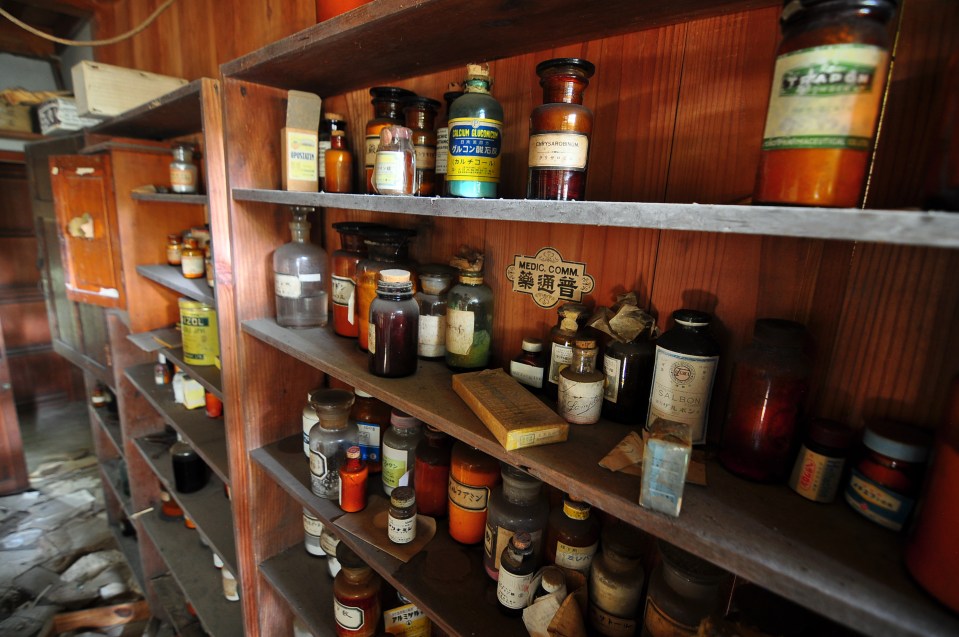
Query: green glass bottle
[475, 138]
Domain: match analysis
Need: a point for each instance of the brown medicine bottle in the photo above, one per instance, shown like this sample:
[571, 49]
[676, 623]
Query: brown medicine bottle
[420, 118]
[387, 101]
[356, 596]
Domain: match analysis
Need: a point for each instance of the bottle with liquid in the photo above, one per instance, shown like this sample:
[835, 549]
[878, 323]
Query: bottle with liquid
[372, 418]
[387, 248]
[562, 338]
[629, 375]
[353, 476]
[454, 90]
[299, 276]
[473, 475]
[572, 536]
[431, 299]
[332, 124]
[356, 596]
[517, 569]
[420, 118]
[387, 102]
[394, 326]
[432, 471]
[529, 368]
[580, 399]
[394, 167]
[475, 138]
[337, 173]
[330, 438]
[469, 317]
[516, 505]
[616, 582]
[190, 473]
[399, 450]
[343, 277]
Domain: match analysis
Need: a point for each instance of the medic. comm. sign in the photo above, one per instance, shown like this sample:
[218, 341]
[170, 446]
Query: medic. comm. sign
[549, 279]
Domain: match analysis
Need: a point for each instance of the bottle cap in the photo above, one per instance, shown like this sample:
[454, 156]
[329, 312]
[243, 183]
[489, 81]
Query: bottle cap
[521, 541]
[326, 401]
[585, 68]
[403, 497]
[435, 282]
[830, 433]
[586, 343]
[553, 579]
[477, 71]
[576, 509]
[403, 420]
[897, 440]
[334, 117]
[691, 318]
[353, 452]
[388, 236]
[348, 558]
[362, 394]
[532, 345]
[389, 93]
[356, 227]
[337, 133]
[394, 276]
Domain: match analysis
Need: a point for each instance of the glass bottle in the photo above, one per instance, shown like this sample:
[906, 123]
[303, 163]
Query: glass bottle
[562, 336]
[572, 536]
[312, 530]
[616, 582]
[454, 90]
[517, 568]
[821, 460]
[386, 102]
[473, 474]
[394, 168]
[192, 263]
[183, 170]
[356, 596]
[516, 505]
[559, 132]
[299, 276]
[190, 473]
[174, 249]
[529, 367]
[683, 591]
[394, 326]
[309, 420]
[431, 299]
[329, 439]
[372, 418]
[399, 450]
[420, 118]
[827, 91]
[387, 248]
[353, 476]
[332, 124]
[770, 382]
[684, 370]
[475, 138]
[337, 165]
[344, 261]
[208, 265]
[629, 376]
[432, 472]
[469, 317]
[329, 543]
[401, 517]
[161, 371]
[580, 399]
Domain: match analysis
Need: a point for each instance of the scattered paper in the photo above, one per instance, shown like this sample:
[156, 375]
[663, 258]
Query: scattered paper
[627, 457]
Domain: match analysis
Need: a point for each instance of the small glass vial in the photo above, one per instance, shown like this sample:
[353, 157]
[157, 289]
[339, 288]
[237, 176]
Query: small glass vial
[431, 299]
[529, 368]
[353, 477]
[443, 137]
[332, 125]
[562, 337]
[230, 590]
[683, 591]
[161, 371]
[394, 326]
[174, 249]
[299, 277]
[683, 373]
[516, 571]
[665, 463]
[432, 471]
[572, 536]
[309, 420]
[475, 138]
[394, 171]
[401, 518]
[399, 450]
[329, 544]
[469, 317]
[387, 102]
[338, 165]
[580, 399]
[190, 473]
[183, 171]
[516, 505]
[817, 472]
[473, 475]
[420, 118]
[192, 262]
[330, 437]
[616, 582]
[343, 276]
[372, 418]
[312, 530]
[356, 596]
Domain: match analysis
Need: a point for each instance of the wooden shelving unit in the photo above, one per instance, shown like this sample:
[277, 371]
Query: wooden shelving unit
[171, 277]
[207, 375]
[110, 424]
[174, 607]
[299, 577]
[170, 197]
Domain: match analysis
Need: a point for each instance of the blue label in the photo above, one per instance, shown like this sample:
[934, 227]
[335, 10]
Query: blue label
[369, 441]
[474, 149]
[878, 503]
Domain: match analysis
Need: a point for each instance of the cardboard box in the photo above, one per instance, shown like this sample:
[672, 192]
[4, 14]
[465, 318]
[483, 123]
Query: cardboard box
[299, 142]
[59, 115]
[15, 117]
[105, 90]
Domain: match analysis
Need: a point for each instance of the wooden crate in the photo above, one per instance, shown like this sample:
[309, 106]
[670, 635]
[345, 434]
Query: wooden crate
[106, 90]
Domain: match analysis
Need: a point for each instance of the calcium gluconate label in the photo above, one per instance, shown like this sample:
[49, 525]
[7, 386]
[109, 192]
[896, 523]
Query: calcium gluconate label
[474, 149]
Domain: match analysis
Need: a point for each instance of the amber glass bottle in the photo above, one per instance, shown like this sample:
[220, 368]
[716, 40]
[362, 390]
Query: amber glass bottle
[472, 475]
[827, 91]
[420, 118]
[338, 165]
[356, 596]
[572, 536]
[431, 473]
[559, 132]
[387, 101]
[344, 261]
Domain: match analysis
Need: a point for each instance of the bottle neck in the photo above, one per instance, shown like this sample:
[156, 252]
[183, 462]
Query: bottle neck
[584, 360]
[300, 231]
[337, 142]
[352, 243]
[334, 422]
[360, 575]
[520, 492]
[566, 89]
[476, 85]
[471, 279]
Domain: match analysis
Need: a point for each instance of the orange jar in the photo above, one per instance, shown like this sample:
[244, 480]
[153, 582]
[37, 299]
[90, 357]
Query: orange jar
[472, 475]
[352, 251]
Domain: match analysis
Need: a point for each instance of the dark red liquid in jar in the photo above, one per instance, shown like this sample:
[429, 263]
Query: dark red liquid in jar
[432, 485]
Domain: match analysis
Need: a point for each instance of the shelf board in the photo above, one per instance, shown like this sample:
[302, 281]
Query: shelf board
[191, 565]
[302, 580]
[110, 424]
[130, 548]
[209, 507]
[155, 340]
[825, 557]
[171, 277]
[174, 607]
[207, 375]
[442, 599]
[111, 473]
[175, 114]
[206, 435]
[905, 227]
[101, 372]
[171, 197]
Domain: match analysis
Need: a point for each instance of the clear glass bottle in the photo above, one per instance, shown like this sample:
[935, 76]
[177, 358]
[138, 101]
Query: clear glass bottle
[469, 317]
[299, 276]
[432, 472]
[559, 132]
[399, 450]
[329, 439]
[475, 138]
[517, 568]
[580, 399]
[516, 505]
[387, 248]
[337, 173]
[420, 118]
[183, 170]
[683, 591]
[343, 277]
[192, 263]
[356, 596]
[387, 102]
[562, 336]
[529, 367]
[394, 326]
[394, 168]
[473, 474]
[330, 125]
[190, 473]
[353, 476]
[616, 582]
[431, 299]
[454, 90]
[572, 536]
[372, 418]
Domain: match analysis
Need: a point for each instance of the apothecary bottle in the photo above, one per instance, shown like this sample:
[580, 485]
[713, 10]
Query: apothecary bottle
[183, 170]
[299, 277]
[353, 476]
[559, 132]
[399, 450]
[616, 581]
[516, 505]
[174, 249]
[394, 167]
[387, 248]
[372, 417]
[572, 536]
[394, 326]
[683, 591]
[770, 382]
[818, 470]
[684, 370]
[421, 118]
[352, 251]
[387, 102]
[562, 336]
[529, 367]
[431, 299]
[401, 517]
[629, 376]
[192, 263]
[337, 165]
[356, 596]
[517, 568]
[827, 92]
[329, 543]
[309, 420]
[312, 530]
[469, 318]
[443, 137]
[475, 138]
[432, 472]
[330, 125]
[190, 473]
[329, 439]
[581, 386]
[473, 474]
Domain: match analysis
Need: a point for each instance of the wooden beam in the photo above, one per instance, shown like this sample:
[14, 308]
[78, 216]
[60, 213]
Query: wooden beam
[16, 41]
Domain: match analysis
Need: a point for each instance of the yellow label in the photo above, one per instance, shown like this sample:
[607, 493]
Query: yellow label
[474, 149]
[577, 558]
[558, 150]
[302, 150]
[408, 621]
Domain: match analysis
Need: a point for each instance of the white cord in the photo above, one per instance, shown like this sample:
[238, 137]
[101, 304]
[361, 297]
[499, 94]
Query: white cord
[117, 38]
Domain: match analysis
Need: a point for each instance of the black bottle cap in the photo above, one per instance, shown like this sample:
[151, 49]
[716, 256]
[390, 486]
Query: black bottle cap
[390, 235]
[692, 318]
[357, 227]
[798, 10]
[587, 67]
[390, 93]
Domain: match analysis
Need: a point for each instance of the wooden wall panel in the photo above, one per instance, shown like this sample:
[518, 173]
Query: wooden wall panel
[25, 323]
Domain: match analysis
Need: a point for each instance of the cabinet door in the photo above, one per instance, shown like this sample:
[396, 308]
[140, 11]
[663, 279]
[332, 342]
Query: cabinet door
[87, 228]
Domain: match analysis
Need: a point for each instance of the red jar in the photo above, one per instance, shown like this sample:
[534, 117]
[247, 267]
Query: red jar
[770, 382]
[431, 475]
[352, 251]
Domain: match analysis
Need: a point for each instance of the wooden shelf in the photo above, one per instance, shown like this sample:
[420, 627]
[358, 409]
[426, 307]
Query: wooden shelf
[209, 507]
[207, 375]
[111, 473]
[206, 435]
[101, 372]
[440, 598]
[906, 227]
[130, 548]
[155, 340]
[171, 277]
[824, 557]
[169, 197]
[110, 424]
[174, 607]
[302, 580]
[177, 113]
[191, 565]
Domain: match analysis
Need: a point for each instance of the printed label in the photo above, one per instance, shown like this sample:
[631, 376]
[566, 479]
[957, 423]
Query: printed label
[610, 625]
[664, 472]
[174, 255]
[344, 290]
[432, 336]
[474, 149]
[442, 149]
[467, 497]
[323, 480]
[394, 466]
[348, 617]
[816, 476]
[560, 356]
[329, 543]
[877, 503]
[322, 147]
[580, 403]
[612, 368]
[193, 266]
[558, 150]
[182, 177]
[401, 531]
[287, 286]
[390, 172]
[425, 157]
[372, 145]
[371, 338]
[301, 156]
[369, 440]
[530, 375]
[311, 525]
[512, 590]
[408, 621]
[657, 623]
[826, 97]
[681, 388]
[577, 558]
[459, 331]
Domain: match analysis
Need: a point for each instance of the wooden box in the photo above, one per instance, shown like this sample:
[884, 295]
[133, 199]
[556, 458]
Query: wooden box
[106, 90]
[15, 117]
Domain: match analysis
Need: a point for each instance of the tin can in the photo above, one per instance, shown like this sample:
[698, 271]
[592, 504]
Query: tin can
[201, 342]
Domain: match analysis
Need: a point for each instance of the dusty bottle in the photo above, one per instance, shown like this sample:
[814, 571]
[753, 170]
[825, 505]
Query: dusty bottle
[394, 168]
[356, 596]
[337, 173]
[387, 248]
[572, 536]
[569, 319]
[683, 590]
[434, 286]
[192, 263]
[299, 276]
[432, 472]
[420, 118]
[190, 473]
[517, 568]
[473, 474]
[475, 138]
[469, 317]
[616, 583]
[443, 137]
[628, 364]
[372, 418]
[529, 367]
[386, 102]
[516, 505]
[394, 326]
[399, 450]
[183, 170]
[329, 439]
[581, 386]
[343, 277]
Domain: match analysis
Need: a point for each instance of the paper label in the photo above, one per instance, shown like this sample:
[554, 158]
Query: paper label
[467, 497]
[656, 623]
[182, 177]
[371, 338]
[324, 483]
[348, 617]
[344, 294]
[390, 172]
[558, 150]
[664, 475]
[192, 267]
[530, 375]
[612, 368]
[681, 388]
[580, 403]
[372, 145]
[816, 476]
[312, 526]
[826, 97]
[394, 465]
[882, 506]
[610, 625]
[459, 331]
[369, 440]
[442, 149]
[408, 621]
[432, 336]
[301, 156]
[512, 590]
[322, 147]
[577, 558]
[560, 356]
[287, 286]
[474, 149]
[425, 157]
[401, 531]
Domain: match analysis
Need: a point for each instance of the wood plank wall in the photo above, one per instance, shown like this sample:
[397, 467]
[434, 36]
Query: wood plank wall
[679, 116]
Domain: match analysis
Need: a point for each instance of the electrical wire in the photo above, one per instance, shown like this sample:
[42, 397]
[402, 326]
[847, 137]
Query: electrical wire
[117, 38]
